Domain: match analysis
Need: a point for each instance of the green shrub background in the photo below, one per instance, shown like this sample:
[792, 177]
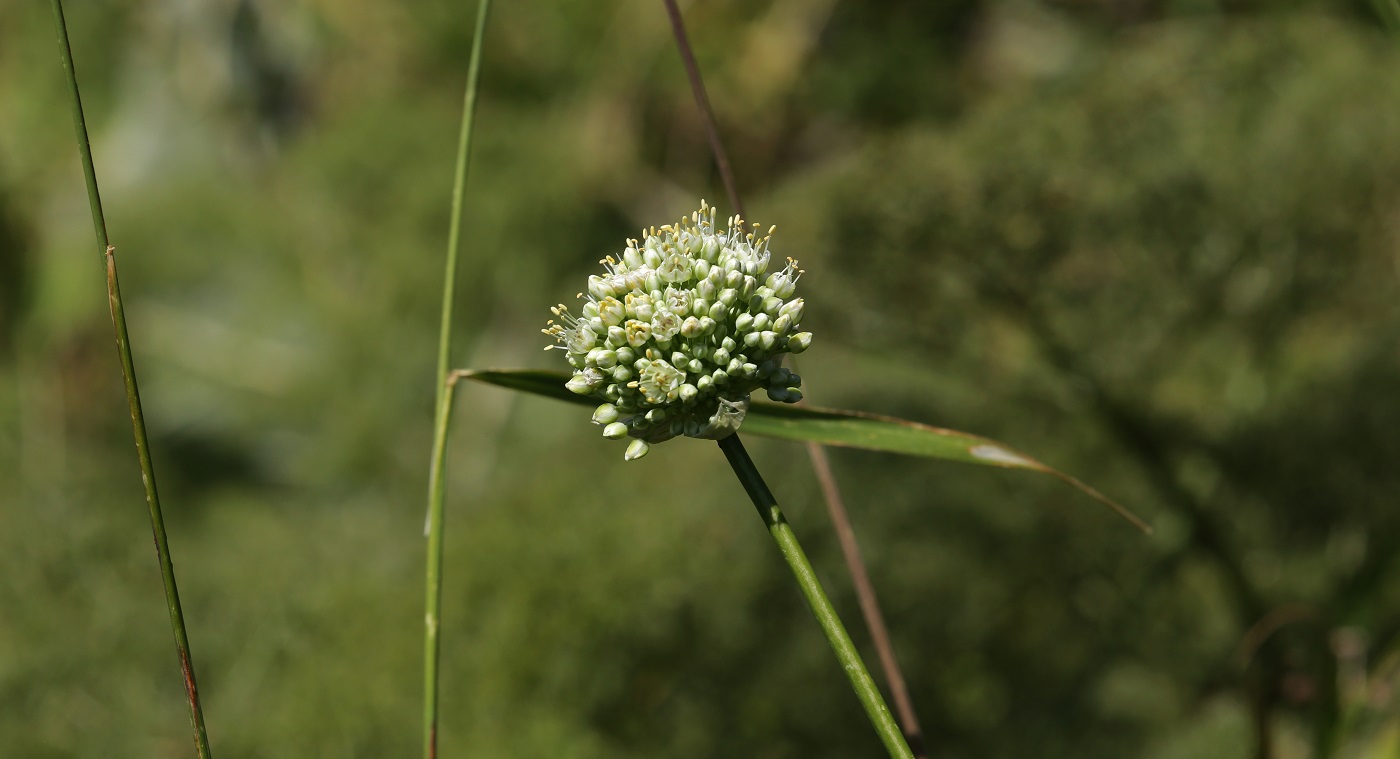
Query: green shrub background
[1155, 244]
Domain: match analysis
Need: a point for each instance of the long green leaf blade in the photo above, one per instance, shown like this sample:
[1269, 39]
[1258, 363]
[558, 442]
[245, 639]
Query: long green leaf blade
[851, 429]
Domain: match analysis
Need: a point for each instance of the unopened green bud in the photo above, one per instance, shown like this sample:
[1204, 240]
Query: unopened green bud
[605, 414]
[617, 337]
[615, 431]
[799, 342]
[584, 382]
[636, 449]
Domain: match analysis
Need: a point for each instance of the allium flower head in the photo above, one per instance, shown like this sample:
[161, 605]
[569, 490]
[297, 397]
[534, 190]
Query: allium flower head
[681, 329]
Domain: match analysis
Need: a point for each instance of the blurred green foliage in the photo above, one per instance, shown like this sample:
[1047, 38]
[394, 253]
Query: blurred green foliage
[1153, 243]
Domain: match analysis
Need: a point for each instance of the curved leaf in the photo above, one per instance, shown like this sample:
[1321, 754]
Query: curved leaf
[851, 429]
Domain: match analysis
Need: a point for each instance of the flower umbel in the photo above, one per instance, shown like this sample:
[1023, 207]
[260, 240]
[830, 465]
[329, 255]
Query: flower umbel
[680, 330]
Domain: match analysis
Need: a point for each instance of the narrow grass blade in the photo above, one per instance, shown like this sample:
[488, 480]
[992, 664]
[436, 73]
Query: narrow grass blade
[133, 395]
[432, 646]
[850, 429]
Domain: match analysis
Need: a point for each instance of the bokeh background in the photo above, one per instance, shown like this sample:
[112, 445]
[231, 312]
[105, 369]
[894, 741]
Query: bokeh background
[1153, 242]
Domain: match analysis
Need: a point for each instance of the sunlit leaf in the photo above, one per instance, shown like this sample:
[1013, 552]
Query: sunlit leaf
[851, 429]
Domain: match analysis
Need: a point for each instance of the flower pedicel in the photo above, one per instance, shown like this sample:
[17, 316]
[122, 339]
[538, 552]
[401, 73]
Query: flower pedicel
[678, 333]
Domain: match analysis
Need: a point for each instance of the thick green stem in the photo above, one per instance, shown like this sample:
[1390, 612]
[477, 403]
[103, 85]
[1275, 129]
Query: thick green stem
[436, 485]
[825, 613]
[133, 395]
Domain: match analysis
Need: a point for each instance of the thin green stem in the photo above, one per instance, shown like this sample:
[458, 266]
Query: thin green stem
[432, 646]
[133, 395]
[825, 613]
[821, 465]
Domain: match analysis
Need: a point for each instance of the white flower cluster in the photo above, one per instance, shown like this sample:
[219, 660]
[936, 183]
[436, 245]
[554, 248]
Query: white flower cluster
[678, 333]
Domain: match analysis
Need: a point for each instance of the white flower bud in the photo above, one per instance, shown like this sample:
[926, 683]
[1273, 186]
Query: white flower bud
[794, 308]
[782, 324]
[690, 327]
[601, 287]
